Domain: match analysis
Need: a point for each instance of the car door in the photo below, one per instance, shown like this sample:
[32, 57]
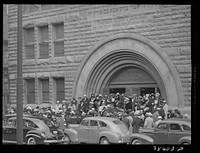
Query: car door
[9, 131]
[83, 131]
[160, 135]
[175, 133]
[93, 131]
[27, 126]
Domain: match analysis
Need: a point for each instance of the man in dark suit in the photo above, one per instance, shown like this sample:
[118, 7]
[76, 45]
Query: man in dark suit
[125, 120]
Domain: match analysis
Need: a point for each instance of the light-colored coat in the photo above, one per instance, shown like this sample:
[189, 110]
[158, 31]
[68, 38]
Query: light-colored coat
[149, 123]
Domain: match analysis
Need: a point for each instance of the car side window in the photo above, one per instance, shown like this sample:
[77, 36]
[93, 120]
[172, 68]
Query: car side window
[12, 123]
[186, 127]
[175, 127]
[162, 126]
[93, 123]
[85, 123]
[102, 124]
[30, 124]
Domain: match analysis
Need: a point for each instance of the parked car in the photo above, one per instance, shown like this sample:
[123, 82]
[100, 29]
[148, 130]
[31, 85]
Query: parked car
[35, 131]
[171, 131]
[7, 116]
[105, 130]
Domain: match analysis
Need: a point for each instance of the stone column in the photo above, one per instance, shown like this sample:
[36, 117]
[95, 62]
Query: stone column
[51, 96]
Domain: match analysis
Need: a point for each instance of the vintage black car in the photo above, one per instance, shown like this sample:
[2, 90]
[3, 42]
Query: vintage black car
[35, 131]
[171, 131]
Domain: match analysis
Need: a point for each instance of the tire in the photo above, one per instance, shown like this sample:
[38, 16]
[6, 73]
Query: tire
[136, 142]
[67, 139]
[104, 141]
[31, 141]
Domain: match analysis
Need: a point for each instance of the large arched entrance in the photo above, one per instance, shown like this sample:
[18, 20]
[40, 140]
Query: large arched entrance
[146, 65]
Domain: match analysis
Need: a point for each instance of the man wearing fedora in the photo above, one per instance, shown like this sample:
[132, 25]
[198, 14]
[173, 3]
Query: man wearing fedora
[165, 108]
[137, 122]
[159, 119]
[149, 123]
[151, 102]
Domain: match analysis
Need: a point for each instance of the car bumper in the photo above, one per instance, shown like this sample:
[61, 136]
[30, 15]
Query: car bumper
[124, 140]
[53, 141]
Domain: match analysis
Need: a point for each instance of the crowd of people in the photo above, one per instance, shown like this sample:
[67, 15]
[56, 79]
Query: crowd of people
[134, 111]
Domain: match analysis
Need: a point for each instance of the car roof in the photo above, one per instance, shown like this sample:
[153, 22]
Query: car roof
[101, 118]
[176, 120]
[13, 115]
[107, 120]
[32, 119]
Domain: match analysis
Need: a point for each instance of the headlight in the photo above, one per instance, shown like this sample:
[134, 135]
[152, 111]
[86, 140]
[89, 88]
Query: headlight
[55, 132]
[119, 137]
[128, 133]
[43, 134]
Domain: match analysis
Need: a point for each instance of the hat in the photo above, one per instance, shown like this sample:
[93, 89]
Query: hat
[137, 113]
[146, 108]
[48, 111]
[149, 114]
[84, 95]
[185, 116]
[107, 114]
[164, 101]
[152, 95]
[159, 117]
[29, 107]
[83, 114]
[158, 108]
[129, 110]
[72, 112]
[157, 94]
[91, 102]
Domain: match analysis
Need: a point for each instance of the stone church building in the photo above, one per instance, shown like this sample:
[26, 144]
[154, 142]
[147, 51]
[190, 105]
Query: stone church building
[72, 50]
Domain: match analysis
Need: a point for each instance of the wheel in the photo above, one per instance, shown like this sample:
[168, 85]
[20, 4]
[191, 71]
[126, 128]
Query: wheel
[104, 140]
[136, 142]
[31, 141]
[66, 139]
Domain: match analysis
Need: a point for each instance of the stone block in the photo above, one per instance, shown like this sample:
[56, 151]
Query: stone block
[69, 59]
[184, 68]
[78, 58]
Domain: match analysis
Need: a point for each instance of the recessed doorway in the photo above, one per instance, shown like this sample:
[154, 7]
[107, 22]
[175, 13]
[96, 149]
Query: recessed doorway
[117, 90]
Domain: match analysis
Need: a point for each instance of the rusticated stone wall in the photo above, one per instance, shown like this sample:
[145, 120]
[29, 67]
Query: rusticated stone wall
[85, 25]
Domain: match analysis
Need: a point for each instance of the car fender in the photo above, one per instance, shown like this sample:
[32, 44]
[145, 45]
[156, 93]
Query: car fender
[36, 134]
[111, 136]
[185, 139]
[72, 133]
[143, 137]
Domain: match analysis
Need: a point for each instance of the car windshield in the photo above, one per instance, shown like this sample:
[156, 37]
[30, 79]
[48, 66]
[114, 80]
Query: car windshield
[121, 126]
[48, 122]
[186, 127]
